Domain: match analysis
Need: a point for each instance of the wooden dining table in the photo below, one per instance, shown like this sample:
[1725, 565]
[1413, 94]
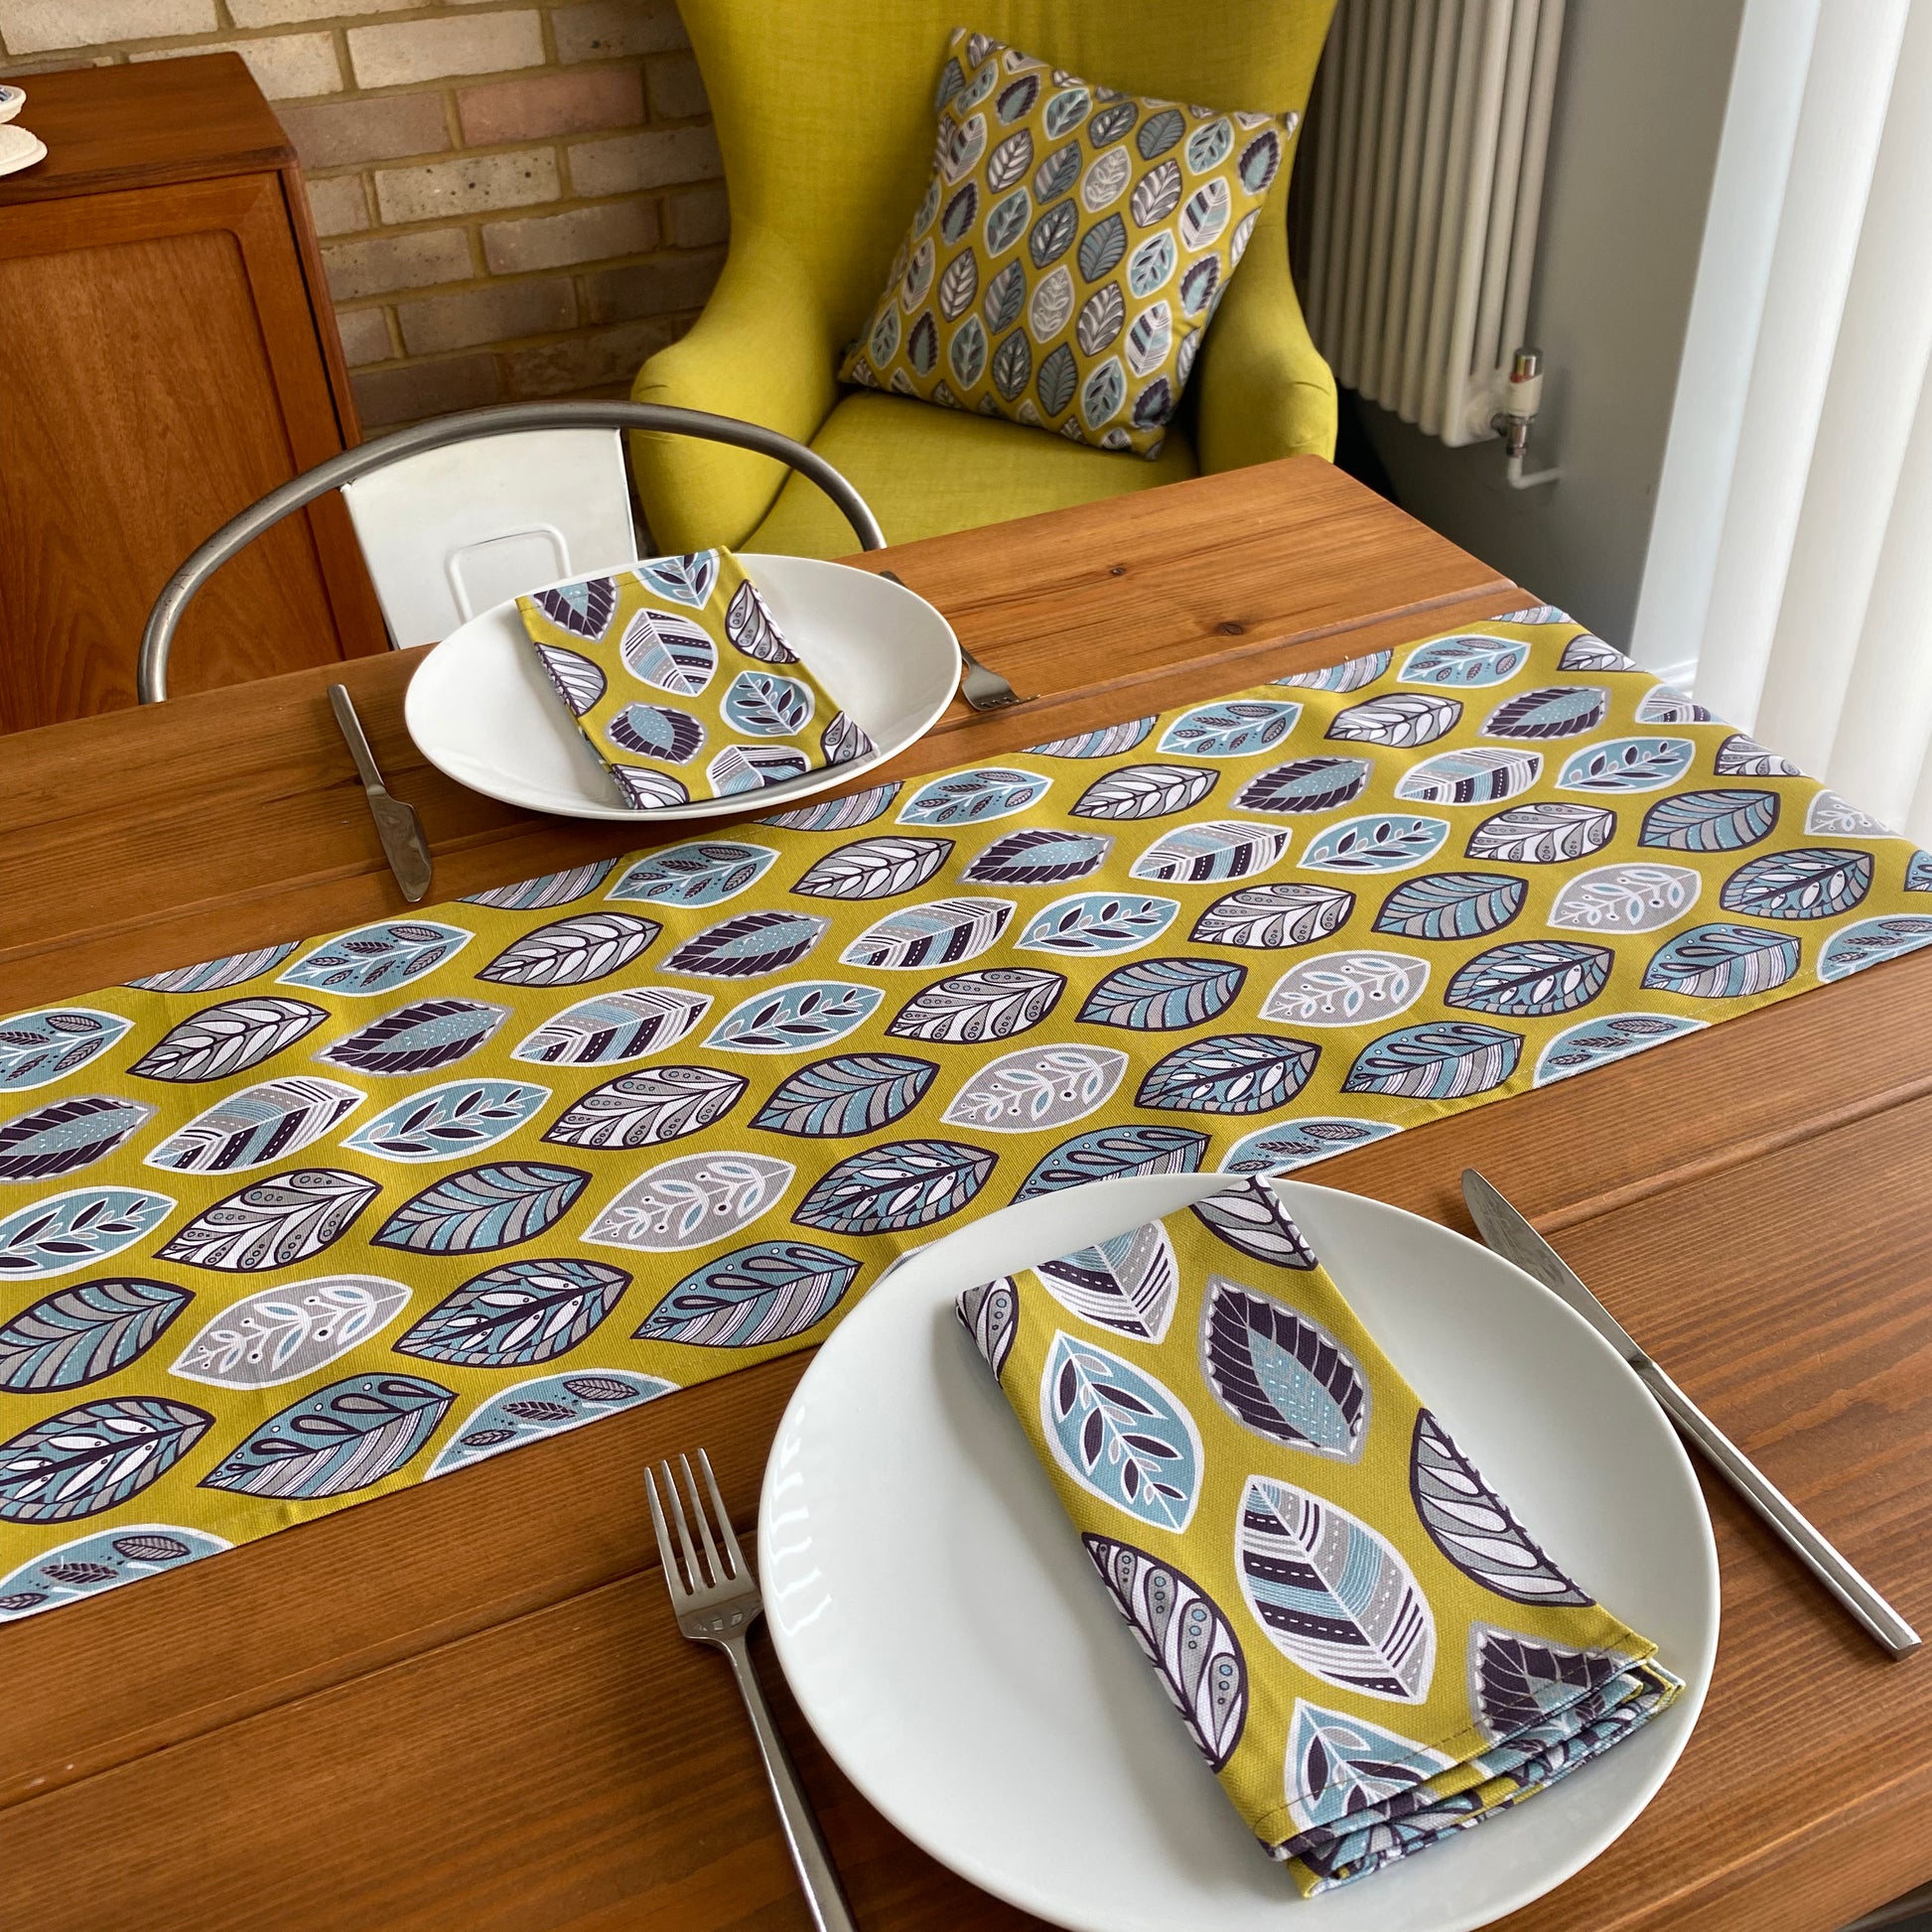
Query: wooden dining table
[464, 1708]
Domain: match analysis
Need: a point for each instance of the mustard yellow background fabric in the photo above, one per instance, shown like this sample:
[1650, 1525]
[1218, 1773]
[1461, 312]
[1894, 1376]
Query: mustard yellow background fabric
[1069, 252]
[682, 682]
[288, 1229]
[1367, 1647]
[824, 116]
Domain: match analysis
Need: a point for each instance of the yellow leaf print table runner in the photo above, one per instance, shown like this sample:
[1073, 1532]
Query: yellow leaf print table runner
[289, 1229]
[682, 683]
[1367, 1647]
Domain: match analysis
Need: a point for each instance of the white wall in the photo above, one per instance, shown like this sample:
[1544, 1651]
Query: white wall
[1640, 105]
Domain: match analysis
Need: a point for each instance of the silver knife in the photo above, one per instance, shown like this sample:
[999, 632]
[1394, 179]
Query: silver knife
[1512, 1237]
[396, 823]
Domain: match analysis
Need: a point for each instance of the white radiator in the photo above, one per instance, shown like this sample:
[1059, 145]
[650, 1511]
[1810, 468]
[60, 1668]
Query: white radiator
[1431, 129]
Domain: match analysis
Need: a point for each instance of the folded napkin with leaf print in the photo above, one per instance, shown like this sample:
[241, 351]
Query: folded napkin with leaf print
[1365, 1644]
[679, 677]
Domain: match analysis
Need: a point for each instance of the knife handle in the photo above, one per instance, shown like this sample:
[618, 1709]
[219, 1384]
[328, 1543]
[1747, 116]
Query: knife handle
[350, 726]
[1793, 1527]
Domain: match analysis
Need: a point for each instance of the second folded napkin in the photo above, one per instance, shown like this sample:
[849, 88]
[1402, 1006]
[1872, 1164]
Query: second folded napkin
[680, 678]
[1365, 1644]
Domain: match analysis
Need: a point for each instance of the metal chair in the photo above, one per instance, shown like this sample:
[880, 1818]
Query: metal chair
[386, 542]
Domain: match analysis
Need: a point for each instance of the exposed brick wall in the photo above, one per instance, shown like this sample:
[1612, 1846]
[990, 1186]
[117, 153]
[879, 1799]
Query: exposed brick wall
[514, 200]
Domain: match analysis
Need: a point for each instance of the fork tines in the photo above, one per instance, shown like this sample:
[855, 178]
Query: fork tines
[726, 1570]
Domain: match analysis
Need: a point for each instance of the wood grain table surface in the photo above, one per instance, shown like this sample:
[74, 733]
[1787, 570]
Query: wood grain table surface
[464, 1708]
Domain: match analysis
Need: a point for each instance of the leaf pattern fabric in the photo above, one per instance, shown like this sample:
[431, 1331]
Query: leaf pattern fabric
[1366, 1646]
[684, 688]
[1070, 249]
[641, 1121]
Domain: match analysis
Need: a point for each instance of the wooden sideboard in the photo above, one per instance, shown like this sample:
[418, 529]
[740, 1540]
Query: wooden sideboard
[167, 354]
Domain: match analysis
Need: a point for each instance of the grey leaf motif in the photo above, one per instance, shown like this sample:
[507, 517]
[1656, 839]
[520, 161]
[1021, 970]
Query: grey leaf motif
[993, 1004]
[65, 1136]
[1251, 1219]
[548, 890]
[990, 1314]
[1036, 1089]
[275, 1224]
[1144, 791]
[1129, 1283]
[1155, 195]
[1543, 832]
[1052, 304]
[567, 952]
[661, 1103]
[290, 1329]
[690, 1203]
[1281, 1374]
[1626, 899]
[1405, 718]
[258, 1125]
[748, 624]
[79, 1335]
[611, 1026]
[876, 868]
[1347, 989]
[1274, 916]
[228, 1039]
[1473, 1527]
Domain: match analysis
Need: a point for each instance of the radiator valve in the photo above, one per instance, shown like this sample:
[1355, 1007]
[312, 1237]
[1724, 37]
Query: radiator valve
[1522, 399]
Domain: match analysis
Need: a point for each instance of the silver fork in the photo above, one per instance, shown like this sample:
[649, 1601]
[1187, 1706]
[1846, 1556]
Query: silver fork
[716, 1602]
[979, 684]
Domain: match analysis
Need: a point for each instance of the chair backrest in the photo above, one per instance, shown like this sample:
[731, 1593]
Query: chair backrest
[469, 428]
[825, 111]
[451, 531]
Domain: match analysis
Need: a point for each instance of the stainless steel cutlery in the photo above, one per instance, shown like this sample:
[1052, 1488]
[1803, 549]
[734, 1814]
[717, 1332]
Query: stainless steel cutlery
[396, 823]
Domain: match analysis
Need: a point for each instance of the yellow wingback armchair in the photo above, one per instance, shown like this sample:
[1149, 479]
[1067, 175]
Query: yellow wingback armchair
[825, 118]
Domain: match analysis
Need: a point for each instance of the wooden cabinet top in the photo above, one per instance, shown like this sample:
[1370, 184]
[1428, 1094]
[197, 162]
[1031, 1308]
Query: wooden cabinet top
[143, 124]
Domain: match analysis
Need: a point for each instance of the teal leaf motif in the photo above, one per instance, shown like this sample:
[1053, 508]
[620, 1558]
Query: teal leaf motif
[1102, 394]
[1100, 321]
[1811, 883]
[483, 1208]
[1402, 717]
[1106, 741]
[1017, 97]
[37, 1048]
[1238, 728]
[1480, 777]
[290, 1329]
[971, 1008]
[1110, 123]
[703, 873]
[1451, 905]
[1627, 764]
[1004, 296]
[1163, 995]
[1186, 1638]
[418, 1038]
[216, 975]
[1918, 873]
[1251, 1219]
[794, 1019]
[1722, 962]
[938, 933]
[1230, 1073]
[1199, 287]
[1204, 215]
[1375, 842]
[1475, 1528]
[972, 798]
[1465, 661]
[874, 867]
[1104, 1153]
[1159, 132]
[377, 958]
[1333, 1595]
[669, 653]
[65, 1136]
[961, 212]
[274, 1224]
[550, 889]
[546, 1404]
[1543, 832]
[1066, 111]
[258, 1125]
[830, 815]
[1037, 856]
[852, 1093]
[1058, 372]
[1281, 1374]
[79, 1335]
[1350, 675]
[656, 731]
[1317, 784]
[1006, 222]
[1532, 978]
[1120, 1434]
[573, 951]
[228, 1039]
[747, 946]
[1445, 1059]
[660, 1103]
[1347, 989]
[1274, 916]
[342, 1439]
[1344, 1774]
[1873, 941]
[1609, 1036]
[95, 1456]
[1129, 1283]
[440, 1122]
[103, 1561]
[1555, 711]
[1259, 161]
[1101, 248]
[1150, 264]
[687, 579]
[1709, 821]
[762, 703]
[767, 1293]
[1204, 854]
[1097, 922]
[516, 1314]
[1207, 146]
[613, 1027]
[900, 1184]
[1053, 234]
[1149, 339]
[62, 1232]
[1144, 791]
[1280, 1149]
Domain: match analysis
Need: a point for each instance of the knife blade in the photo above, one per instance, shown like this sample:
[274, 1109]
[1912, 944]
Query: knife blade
[1511, 1237]
[396, 823]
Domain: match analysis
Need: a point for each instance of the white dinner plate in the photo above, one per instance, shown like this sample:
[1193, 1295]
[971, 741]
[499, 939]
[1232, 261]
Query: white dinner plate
[11, 101]
[19, 147]
[481, 711]
[951, 1645]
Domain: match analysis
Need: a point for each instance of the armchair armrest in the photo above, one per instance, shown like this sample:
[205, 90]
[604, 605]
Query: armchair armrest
[1265, 391]
[763, 351]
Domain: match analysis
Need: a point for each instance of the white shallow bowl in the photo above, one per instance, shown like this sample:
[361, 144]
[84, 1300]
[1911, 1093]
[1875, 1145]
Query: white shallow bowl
[11, 101]
[949, 1642]
[481, 711]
